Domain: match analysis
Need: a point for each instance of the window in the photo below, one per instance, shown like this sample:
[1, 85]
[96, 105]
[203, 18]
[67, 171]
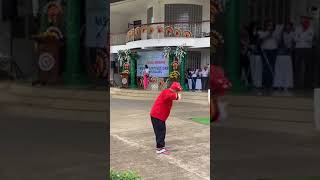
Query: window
[187, 17]
[150, 18]
[276, 10]
[193, 60]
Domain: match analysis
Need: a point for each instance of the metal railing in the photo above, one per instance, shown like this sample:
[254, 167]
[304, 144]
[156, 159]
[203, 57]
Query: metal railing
[161, 30]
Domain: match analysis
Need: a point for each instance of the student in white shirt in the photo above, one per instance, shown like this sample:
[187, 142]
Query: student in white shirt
[204, 78]
[283, 76]
[194, 78]
[303, 69]
[269, 45]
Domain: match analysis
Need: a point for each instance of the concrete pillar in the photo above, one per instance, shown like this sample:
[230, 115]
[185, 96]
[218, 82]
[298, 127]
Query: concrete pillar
[317, 108]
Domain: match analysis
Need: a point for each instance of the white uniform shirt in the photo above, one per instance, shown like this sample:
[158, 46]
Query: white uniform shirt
[270, 41]
[205, 73]
[194, 74]
[288, 39]
[302, 38]
[147, 71]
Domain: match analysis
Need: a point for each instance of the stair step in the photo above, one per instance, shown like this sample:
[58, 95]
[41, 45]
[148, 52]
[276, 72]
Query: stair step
[60, 114]
[272, 102]
[267, 125]
[288, 115]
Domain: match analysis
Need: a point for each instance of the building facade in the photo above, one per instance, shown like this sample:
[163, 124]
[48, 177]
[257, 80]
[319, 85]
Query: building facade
[148, 26]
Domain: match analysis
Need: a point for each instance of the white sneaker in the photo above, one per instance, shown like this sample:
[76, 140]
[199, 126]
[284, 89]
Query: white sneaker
[163, 151]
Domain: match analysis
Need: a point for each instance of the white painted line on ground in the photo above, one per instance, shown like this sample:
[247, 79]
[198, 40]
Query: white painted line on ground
[170, 159]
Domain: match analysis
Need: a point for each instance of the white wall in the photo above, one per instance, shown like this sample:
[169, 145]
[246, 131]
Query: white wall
[118, 23]
[141, 16]
[158, 11]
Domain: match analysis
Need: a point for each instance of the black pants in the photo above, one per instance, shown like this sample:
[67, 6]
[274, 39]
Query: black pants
[245, 65]
[194, 80]
[303, 68]
[159, 128]
[204, 83]
[268, 68]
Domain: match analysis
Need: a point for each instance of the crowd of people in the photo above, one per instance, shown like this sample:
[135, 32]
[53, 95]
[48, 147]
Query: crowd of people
[277, 56]
[198, 79]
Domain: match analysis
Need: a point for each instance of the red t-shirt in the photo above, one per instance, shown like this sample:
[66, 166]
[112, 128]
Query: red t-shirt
[162, 106]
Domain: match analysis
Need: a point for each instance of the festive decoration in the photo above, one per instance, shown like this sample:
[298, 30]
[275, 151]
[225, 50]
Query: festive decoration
[187, 34]
[160, 29]
[169, 31]
[47, 35]
[150, 29]
[46, 62]
[137, 31]
[175, 65]
[130, 34]
[56, 31]
[178, 32]
[180, 53]
[167, 52]
[144, 29]
[121, 57]
[100, 64]
[174, 76]
[216, 40]
[215, 8]
[53, 10]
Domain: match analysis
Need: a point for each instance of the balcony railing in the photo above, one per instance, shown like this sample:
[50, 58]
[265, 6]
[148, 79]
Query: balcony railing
[163, 30]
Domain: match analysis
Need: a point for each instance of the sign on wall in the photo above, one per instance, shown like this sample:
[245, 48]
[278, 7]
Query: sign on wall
[97, 23]
[157, 63]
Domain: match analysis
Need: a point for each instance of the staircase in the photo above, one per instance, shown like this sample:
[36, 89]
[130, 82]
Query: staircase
[55, 103]
[188, 97]
[285, 114]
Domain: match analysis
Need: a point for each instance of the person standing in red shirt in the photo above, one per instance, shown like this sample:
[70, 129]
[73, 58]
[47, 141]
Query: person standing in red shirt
[160, 113]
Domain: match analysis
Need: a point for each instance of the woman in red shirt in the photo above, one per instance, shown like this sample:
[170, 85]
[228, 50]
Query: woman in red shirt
[160, 113]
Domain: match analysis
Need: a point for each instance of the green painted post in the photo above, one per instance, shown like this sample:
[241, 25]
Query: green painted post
[73, 74]
[133, 72]
[171, 57]
[233, 48]
[182, 73]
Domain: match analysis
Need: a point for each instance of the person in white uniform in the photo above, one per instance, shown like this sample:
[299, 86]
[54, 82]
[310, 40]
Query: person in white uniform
[303, 70]
[283, 79]
[204, 78]
[194, 79]
[269, 38]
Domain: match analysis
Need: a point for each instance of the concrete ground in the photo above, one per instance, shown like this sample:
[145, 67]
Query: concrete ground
[133, 141]
[244, 154]
[51, 149]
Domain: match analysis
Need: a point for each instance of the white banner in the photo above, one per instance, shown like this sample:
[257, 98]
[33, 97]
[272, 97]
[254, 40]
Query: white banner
[97, 23]
[157, 63]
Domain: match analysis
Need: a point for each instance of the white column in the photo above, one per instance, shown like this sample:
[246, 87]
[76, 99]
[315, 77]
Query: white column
[317, 108]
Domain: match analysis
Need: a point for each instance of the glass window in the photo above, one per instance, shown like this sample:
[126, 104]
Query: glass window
[150, 18]
[187, 17]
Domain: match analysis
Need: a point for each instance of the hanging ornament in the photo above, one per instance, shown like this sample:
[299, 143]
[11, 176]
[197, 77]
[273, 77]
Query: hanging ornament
[167, 52]
[180, 53]
[169, 31]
